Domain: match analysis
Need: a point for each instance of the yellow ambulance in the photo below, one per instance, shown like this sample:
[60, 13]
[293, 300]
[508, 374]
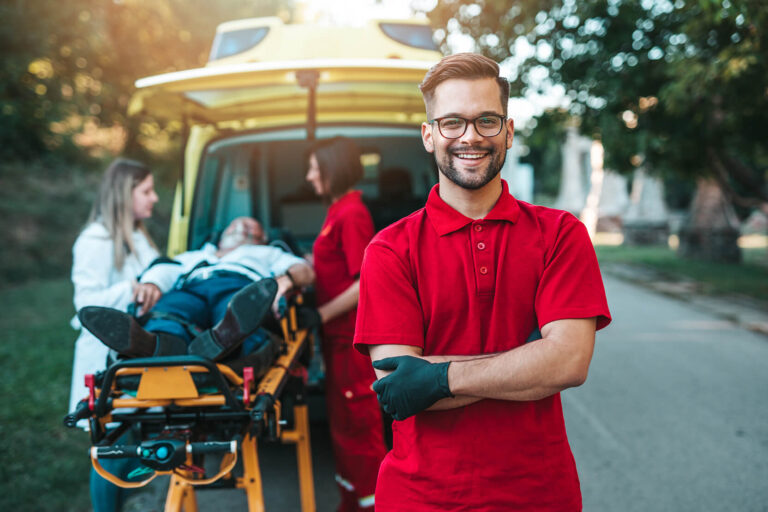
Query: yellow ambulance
[270, 89]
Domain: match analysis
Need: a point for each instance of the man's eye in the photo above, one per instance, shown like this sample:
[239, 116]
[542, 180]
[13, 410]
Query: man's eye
[452, 123]
[488, 121]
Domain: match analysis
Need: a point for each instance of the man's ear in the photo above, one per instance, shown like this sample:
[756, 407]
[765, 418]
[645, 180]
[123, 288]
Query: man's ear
[426, 137]
[510, 132]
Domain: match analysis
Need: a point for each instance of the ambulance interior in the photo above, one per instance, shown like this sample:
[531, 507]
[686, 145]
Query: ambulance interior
[262, 175]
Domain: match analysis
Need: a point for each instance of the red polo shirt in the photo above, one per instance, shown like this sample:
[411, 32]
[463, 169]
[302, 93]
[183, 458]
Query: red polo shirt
[338, 253]
[452, 285]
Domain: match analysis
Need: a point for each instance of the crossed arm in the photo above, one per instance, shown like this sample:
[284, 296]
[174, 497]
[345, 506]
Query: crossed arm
[538, 369]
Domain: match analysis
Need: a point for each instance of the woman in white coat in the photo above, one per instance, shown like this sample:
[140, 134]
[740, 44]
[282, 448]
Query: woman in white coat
[109, 254]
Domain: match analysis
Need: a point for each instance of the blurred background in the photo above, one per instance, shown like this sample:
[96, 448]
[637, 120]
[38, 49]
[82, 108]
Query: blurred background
[626, 111]
[647, 119]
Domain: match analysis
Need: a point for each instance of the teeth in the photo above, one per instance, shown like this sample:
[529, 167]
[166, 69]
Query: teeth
[470, 156]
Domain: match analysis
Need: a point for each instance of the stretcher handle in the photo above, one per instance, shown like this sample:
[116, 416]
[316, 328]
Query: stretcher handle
[135, 451]
[260, 414]
[212, 447]
[116, 451]
[81, 412]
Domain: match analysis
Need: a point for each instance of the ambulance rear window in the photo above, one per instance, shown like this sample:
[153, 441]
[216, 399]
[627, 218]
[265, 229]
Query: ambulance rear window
[231, 43]
[416, 36]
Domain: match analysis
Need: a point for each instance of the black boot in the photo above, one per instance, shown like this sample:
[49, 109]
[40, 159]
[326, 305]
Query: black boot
[121, 332]
[260, 359]
[244, 315]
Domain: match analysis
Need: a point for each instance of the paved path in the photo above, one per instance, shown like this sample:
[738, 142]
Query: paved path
[674, 414]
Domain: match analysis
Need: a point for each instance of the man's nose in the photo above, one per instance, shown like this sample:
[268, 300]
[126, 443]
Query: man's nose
[470, 134]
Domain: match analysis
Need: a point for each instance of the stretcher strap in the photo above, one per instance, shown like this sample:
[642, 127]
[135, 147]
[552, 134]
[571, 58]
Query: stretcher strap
[106, 475]
[226, 467]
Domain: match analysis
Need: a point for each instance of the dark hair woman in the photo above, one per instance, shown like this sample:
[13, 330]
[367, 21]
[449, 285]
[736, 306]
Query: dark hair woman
[353, 410]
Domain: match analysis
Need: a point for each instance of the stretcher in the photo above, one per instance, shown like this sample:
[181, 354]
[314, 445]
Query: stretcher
[188, 411]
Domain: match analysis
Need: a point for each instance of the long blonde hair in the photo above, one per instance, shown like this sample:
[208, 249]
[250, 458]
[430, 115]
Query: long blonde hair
[114, 206]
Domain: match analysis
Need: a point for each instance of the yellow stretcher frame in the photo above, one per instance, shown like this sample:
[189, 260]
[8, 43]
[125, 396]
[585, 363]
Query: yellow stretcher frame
[173, 385]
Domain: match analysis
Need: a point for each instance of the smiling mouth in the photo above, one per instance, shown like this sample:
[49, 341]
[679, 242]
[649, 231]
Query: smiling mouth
[470, 155]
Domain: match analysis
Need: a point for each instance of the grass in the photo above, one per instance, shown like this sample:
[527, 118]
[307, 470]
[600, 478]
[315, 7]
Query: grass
[45, 466]
[749, 278]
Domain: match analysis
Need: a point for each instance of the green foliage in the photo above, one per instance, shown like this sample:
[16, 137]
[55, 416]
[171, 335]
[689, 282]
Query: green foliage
[544, 137]
[70, 65]
[45, 466]
[677, 85]
[67, 63]
[43, 206]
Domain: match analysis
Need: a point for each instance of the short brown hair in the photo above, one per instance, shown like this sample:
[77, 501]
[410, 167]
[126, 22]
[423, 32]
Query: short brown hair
[465, 66]
[339, 162]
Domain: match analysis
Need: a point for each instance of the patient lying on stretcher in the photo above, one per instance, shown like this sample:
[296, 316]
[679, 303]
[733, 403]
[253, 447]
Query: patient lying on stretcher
[213, 303]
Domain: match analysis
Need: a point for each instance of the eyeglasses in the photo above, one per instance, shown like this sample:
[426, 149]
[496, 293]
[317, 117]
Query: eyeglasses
[452, 127]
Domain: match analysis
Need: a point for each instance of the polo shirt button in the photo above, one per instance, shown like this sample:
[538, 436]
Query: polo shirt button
[480, 246]
[483, 270]
[478, 227]
[348, 394]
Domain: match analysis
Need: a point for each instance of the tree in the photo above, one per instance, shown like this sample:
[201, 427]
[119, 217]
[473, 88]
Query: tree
[66, 75]
[677, 86]
[69, 63]
[30, 90]
[544, 137]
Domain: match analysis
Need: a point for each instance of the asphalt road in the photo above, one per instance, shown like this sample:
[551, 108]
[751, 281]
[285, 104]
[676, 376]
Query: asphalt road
[279, 475]
[673, 417]
[674, 414]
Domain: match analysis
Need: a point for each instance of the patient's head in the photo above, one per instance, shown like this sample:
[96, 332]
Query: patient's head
[241, 231]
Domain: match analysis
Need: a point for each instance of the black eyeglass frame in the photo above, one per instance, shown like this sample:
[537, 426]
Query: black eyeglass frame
[502, 118]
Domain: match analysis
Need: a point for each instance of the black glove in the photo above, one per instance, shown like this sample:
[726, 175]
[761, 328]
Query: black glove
[414, 385]
[308, 317]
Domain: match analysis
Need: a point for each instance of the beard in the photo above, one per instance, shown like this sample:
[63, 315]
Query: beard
[471, 181]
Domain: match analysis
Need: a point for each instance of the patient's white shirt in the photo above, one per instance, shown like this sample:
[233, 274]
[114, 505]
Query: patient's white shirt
[253, 261]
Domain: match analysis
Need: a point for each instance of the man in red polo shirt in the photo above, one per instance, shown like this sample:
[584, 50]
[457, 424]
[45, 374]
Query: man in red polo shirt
[448, 297]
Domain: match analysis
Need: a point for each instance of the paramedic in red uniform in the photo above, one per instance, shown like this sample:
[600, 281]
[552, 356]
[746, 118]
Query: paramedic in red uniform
[355, 418]
[448, 296]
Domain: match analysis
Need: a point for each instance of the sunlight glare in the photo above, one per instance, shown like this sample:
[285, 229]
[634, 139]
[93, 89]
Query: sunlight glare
[352, 12]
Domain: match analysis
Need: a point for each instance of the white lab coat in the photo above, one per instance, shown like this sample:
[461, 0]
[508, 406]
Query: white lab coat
[98, 283]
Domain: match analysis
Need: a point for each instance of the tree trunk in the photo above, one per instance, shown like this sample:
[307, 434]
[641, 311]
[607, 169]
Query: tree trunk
[646, 221]
[711, 230]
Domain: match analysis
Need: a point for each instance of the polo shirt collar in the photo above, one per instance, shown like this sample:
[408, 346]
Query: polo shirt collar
[446, 220]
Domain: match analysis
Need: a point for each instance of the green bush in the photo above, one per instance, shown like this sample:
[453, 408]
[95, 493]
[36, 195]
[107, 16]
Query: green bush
[43, 208]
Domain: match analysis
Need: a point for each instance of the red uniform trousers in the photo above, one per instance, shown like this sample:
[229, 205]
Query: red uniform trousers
[357, 433]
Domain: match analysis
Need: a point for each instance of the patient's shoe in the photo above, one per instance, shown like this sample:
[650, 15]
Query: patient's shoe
[244, 315]
[122, 333]
[260, 359]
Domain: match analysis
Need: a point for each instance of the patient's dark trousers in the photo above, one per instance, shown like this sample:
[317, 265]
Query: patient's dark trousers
[202, 302]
